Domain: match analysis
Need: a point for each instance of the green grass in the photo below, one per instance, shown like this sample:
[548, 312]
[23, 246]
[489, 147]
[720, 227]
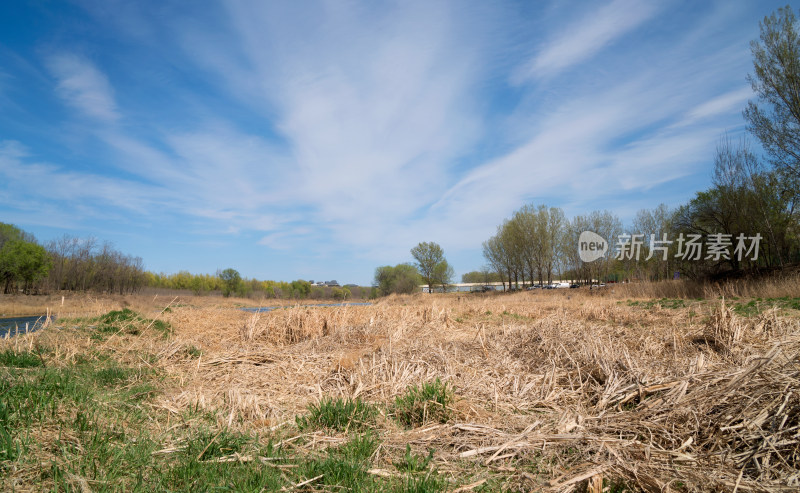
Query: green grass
[22, 359]
[428, 402]
[66, 426]
[93, 421]
[339, 415]
[758, 305]
[412, 462]
[345, 467]
[125, 321]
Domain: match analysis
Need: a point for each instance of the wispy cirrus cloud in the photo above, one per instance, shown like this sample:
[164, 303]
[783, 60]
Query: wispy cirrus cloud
[94, 194]
[581, 39]
[732, 101]
[83, 86]
[372, 116]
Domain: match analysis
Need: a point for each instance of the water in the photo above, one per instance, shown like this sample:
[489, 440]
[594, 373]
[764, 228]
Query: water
[270, 308]
[9, 327]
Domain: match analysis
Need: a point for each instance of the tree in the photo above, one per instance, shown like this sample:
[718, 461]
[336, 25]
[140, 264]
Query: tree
[658, 224]
[775, 116]
[431, 264]
[340, 293]
[608, 226]
[400, 279]
[231, 279]
[23, 262]
[496, 252]
[300, 288]
[744, 200]
[483, 276]
[443, 274]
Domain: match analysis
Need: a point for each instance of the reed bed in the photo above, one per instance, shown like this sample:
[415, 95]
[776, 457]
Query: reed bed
[560, 391]
[652, 396]
[775, 286]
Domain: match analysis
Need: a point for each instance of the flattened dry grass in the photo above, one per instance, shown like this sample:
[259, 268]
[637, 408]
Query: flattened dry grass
[558, 390]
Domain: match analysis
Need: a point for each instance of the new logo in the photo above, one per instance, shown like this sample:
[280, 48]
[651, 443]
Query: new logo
[591, 246]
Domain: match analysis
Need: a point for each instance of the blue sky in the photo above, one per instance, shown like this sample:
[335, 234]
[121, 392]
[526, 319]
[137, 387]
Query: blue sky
[319, 140]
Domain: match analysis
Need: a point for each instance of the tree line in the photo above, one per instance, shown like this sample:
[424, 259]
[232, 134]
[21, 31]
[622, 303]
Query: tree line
[68, 264]
[747, 221]
[229, 282]
[85, 264]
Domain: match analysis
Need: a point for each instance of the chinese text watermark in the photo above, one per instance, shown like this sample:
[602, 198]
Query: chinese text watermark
[716, 247]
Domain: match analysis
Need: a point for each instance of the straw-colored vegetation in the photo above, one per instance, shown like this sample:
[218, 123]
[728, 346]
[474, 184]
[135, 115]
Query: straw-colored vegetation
[557, 390]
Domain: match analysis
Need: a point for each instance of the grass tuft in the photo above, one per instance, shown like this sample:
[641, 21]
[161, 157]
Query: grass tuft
[338, 414]
[420, 405]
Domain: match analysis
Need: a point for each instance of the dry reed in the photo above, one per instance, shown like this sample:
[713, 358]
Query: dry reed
[585, 386]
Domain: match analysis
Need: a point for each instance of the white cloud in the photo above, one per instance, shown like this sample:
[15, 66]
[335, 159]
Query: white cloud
[83, 86]
[215, 173]
[729, 102]
[582, 39]
[375, 104]
[95, 195]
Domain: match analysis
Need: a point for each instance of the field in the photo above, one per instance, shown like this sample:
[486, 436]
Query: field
[623, 389]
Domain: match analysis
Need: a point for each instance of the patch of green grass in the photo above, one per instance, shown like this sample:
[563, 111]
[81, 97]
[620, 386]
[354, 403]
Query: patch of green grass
[21, 359]
[785, 302]
[759, 305]
[204, 464]
[98, 433]
[420, 405]
[412, 462]
[126, 321]
[673, 304]
[747, 309]
[99, 428]
[514, 315]
[206, 445]
[338, 414]
[345, 467]
[427, 483]
[112, 375]
[9, 447]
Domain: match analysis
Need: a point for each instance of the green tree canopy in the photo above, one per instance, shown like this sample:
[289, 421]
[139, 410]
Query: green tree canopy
[400, 279]
[432, 265]
[231, 281]
[22, 261]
